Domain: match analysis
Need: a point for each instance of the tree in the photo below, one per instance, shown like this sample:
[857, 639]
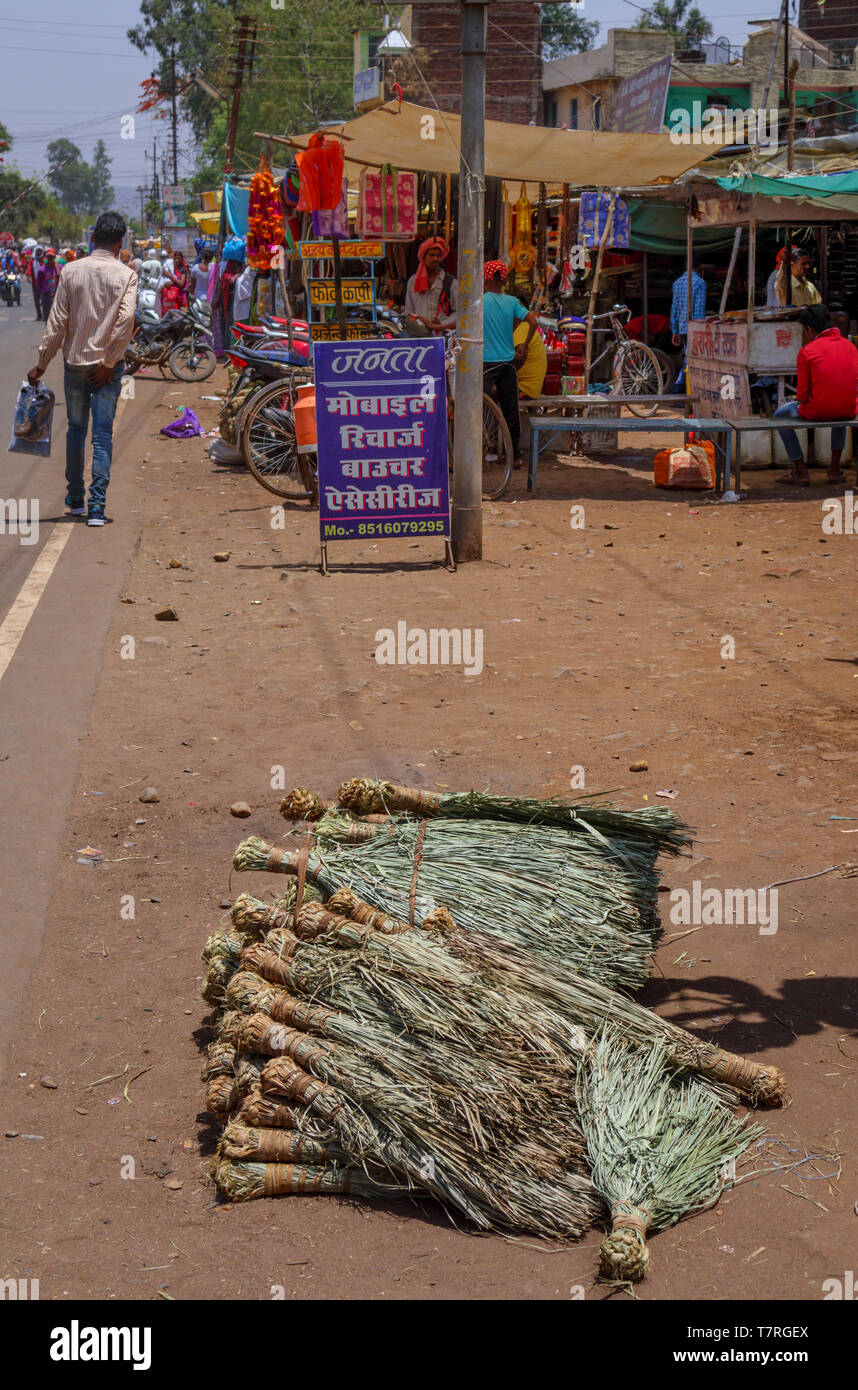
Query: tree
[102, 189]
[302, 72]
[565, 31]
[83, 188]
[689, 27]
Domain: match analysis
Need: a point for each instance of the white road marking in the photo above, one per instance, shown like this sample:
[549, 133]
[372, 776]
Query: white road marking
[14, 625]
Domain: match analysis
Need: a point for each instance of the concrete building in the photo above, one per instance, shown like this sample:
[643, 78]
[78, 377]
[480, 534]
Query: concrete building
[580, 90]
[835, 24]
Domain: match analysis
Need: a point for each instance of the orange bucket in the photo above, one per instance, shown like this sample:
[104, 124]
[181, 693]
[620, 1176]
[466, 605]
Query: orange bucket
[305, 419]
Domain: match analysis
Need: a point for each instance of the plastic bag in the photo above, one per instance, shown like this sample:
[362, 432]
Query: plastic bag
[34, 416]
[185, 427]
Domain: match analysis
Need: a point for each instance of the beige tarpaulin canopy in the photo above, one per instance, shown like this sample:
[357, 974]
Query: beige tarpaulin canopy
[418, 137]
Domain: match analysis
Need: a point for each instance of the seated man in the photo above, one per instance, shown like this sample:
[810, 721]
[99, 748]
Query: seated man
[827, 390]
[501, 355]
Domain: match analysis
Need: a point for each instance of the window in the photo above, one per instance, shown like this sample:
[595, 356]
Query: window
[552, 113]
[573, 114]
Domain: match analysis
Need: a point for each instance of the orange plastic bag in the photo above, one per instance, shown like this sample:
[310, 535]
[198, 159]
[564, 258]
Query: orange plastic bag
[690, 466]
[320, 173]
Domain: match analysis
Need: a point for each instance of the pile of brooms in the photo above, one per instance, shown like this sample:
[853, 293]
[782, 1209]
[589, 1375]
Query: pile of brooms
[438, 1007]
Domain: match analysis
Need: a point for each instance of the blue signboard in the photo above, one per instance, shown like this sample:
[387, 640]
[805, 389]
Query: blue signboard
[381, 419]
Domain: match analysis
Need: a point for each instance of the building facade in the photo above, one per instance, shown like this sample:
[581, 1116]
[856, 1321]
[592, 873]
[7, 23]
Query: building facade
[580, 91]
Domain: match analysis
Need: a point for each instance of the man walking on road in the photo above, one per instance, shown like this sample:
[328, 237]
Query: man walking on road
[92, 320]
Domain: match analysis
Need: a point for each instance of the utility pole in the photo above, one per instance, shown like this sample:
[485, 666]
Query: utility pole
[174, 117]
[467, 509]
[243, 63]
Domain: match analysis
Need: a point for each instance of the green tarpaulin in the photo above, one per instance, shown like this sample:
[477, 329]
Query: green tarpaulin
[836, 192]
[660, 227]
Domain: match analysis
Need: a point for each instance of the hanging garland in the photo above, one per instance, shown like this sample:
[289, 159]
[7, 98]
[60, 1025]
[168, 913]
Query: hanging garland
[264, 217]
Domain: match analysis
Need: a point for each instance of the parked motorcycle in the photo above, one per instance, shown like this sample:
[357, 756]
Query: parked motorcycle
[180, 339]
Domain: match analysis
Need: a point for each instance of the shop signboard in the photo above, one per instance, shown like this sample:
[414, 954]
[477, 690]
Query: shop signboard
[381, 419]
[642, 98]
[352, 250]
[174, 204]
[331, 332]
[718, 342]
[354, 292]
[719, 390]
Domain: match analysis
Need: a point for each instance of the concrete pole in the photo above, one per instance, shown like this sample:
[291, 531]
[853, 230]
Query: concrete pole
[467, 509]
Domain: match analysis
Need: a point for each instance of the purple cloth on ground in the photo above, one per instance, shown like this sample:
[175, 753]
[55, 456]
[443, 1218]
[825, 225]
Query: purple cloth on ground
[185, 427]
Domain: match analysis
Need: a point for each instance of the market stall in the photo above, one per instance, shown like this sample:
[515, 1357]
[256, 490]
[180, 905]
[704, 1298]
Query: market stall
[742, 359]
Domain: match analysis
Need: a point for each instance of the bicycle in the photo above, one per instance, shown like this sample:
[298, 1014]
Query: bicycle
[636, 370]
[496, 438]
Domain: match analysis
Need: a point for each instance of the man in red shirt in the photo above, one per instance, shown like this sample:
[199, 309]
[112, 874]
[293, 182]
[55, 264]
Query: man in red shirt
[827, 390]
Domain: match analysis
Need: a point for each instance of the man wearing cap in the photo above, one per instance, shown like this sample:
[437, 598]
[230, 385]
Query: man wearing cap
[432, 295]
[501, 313]
[46, 281]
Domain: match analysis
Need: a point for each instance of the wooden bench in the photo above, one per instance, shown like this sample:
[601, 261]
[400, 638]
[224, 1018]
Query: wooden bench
[755, 423]
[719, 431]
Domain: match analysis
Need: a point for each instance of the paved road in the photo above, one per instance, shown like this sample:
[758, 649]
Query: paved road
[69, 581]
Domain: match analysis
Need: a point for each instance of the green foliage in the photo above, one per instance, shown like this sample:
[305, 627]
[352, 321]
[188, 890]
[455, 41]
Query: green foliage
[689, 27]
[302, 72]
[84, 189]
[565, 31]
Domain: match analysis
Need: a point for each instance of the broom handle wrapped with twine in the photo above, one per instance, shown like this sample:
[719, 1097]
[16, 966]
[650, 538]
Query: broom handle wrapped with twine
[244, 1181]
[364, 795]
[624, 1254]
[277, 1146]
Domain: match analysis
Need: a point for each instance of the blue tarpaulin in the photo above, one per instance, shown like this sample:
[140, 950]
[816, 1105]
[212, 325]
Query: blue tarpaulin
[235, 204]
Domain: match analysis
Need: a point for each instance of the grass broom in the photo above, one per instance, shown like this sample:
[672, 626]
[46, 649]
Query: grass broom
[657, 1145]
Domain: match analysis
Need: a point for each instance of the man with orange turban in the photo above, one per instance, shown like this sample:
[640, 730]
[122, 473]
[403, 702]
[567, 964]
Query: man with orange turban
[432, 295]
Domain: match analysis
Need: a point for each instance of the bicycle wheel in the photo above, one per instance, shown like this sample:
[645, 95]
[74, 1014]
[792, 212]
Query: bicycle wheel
[637, 373]
[497, 450]
[269, 445]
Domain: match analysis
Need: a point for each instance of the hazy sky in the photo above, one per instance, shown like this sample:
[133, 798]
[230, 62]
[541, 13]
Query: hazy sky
[69, 70]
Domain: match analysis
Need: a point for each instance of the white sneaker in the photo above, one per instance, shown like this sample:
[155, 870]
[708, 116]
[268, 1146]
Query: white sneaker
[95, 518]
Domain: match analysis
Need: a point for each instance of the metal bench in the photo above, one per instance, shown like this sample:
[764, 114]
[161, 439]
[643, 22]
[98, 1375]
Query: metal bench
[766, 422]
[706, 426]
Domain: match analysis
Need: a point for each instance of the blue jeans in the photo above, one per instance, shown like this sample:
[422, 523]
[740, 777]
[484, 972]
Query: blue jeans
[795, 453]
[82, 398]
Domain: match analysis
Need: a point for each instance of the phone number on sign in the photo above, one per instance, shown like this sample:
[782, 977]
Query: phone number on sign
[388, 528]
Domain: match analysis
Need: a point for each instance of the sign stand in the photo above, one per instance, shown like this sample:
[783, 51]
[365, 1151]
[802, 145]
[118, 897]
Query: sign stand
[381, 422]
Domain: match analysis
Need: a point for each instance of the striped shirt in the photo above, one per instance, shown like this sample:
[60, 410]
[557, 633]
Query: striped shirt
[92, 318]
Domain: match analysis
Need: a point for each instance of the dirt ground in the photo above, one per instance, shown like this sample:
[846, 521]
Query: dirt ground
[602, 647]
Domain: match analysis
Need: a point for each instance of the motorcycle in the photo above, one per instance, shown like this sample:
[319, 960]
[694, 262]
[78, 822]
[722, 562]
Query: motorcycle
[180, 339]
[10, 287]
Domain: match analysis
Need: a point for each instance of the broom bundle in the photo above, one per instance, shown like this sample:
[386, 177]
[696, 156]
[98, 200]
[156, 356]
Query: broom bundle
[654, 825]
[566, 999]
[524, 1190]
[657, 1144]
[242, 1181]
[221, 953]
[556, 895]
[227, 1076]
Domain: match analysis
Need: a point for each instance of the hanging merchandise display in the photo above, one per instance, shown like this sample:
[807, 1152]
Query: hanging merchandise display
[523, 254]
[336, 222]
[264, 217]
[320, 171]
[387, 206]
[594, 215]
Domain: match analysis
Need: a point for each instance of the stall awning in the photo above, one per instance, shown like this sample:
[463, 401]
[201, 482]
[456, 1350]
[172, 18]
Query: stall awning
[418, 137]
[835, 192]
